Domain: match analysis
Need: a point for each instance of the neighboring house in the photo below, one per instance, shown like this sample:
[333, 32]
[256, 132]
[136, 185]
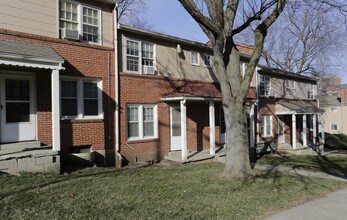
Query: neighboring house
[288, 109]
[335, 116]
[56, 61]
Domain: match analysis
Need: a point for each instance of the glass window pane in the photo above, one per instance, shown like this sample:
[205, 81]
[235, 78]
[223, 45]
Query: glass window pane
[148, 129]
[91, 107]
[68, 107]
[133, 129]
[90, 90]
[176, 129]
[17, 112]
[17, 89]
[69, 89]
[132, 63]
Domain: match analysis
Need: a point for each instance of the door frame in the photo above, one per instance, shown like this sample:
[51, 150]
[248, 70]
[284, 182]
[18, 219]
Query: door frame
[10, 74]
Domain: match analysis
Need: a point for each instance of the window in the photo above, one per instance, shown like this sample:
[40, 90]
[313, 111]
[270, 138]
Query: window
[333, 109]
[81, 98]
[290, 84]
[86, 20]
[142, 121]
[207, 60]
[242, 69]
[333, 127]
[194, 58]
[266, 125]
[140, 59]
[309, 91]
[264, 86]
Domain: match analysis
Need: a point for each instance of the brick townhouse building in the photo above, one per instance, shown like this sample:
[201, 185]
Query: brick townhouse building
[72, 82]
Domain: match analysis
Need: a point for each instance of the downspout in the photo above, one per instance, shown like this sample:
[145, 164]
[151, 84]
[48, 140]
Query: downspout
[116, 73]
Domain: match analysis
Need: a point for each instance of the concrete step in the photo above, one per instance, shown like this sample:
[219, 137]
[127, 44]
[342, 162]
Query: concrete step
[21, 146]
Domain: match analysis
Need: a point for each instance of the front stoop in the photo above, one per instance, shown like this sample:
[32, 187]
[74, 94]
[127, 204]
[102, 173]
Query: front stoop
[197, 156]
[28, 159]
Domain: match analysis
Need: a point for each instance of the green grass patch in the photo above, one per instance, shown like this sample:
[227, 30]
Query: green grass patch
[336, 141]
[327, 164]
[195, 191]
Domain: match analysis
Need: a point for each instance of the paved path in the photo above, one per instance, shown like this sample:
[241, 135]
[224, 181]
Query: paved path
[300, 172]
[331, 207]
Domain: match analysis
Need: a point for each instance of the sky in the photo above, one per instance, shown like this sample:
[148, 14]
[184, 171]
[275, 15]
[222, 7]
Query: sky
[169, 17]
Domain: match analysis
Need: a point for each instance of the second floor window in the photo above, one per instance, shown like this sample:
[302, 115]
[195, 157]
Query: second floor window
[140, 56]
[333, 109]
[333, 127]
[309, 91]
[81, 18]
[207, 60]
[194, 58]
[264, 86]
[290, 84]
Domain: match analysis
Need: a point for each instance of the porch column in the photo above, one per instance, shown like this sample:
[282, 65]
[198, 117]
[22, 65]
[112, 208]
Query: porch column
[294, 131]
[314, 124]
[212, 129]
[55, 110]
[304, 130]
[322, 129]
[251, 127]
[184, 130]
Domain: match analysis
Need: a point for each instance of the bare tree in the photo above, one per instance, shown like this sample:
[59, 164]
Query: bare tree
[131, 12]
[218, 23]
[308, 35]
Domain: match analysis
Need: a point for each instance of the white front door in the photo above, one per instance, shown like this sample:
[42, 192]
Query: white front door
[281, 136]
[17, 108]
[175, 128]
[222, 127]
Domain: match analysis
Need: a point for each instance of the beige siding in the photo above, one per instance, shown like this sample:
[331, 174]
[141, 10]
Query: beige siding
[338, 118]
[41, 17]
[280, 91]
[31, 16]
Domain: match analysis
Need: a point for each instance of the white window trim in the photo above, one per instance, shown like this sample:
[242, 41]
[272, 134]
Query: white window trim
[194, 64]
[331, 126]
[291, 84]
[140, 56]
[210, 59]
[311, 92]
[80, 19]
[333, 109]
[243, 69]
[80, 98]
[264, 95]
[265, 125]
[140, 119]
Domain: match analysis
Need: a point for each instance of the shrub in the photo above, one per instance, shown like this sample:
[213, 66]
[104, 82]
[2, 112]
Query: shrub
[336, 141]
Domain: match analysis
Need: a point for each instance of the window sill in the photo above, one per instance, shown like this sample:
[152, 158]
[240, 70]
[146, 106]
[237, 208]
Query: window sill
[82, 120]
[197, 65]
[144, 140]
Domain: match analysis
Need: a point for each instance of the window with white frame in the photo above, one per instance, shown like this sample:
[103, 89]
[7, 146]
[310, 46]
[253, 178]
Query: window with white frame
[264, 86]
[81, 98]
[242, 69]
[194, 58]
[333, 127]
[309, 91]
[142, 121]
[266, 125]
[290, 84]
[333, 109]
[85, 19]
[207, 60]
[140, 56]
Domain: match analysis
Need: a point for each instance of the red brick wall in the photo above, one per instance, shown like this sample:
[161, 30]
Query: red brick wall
[139, 89]
[83, 60]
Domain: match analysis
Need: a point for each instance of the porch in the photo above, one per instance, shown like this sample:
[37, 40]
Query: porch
[195, 156]
[29, 108]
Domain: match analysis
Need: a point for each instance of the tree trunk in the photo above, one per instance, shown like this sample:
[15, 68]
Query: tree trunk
[237, 164]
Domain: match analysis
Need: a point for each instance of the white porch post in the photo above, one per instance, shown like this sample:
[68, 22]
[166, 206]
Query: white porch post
[304, 130]
[184, 130]
[212, 129]
[321, 121]
[55, 110]
[314, 124]
[294, 131]
[251, 122]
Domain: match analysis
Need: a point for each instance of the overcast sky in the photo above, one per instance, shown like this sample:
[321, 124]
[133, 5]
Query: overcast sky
[169, 17]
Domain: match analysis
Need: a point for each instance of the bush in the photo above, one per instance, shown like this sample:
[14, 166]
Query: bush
[336, 141]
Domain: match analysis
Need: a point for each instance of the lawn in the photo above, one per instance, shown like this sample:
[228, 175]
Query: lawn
[195, 191]
[327, 164]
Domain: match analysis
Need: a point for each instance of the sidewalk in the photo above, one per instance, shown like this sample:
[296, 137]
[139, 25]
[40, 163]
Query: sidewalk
[332, 206]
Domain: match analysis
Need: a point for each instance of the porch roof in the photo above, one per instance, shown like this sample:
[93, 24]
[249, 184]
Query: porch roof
[29, 55]
[299, 107]
[195, 91]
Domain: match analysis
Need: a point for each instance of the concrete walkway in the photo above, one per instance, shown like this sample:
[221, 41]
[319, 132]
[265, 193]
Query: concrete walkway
[300, 172]
[332, 206]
